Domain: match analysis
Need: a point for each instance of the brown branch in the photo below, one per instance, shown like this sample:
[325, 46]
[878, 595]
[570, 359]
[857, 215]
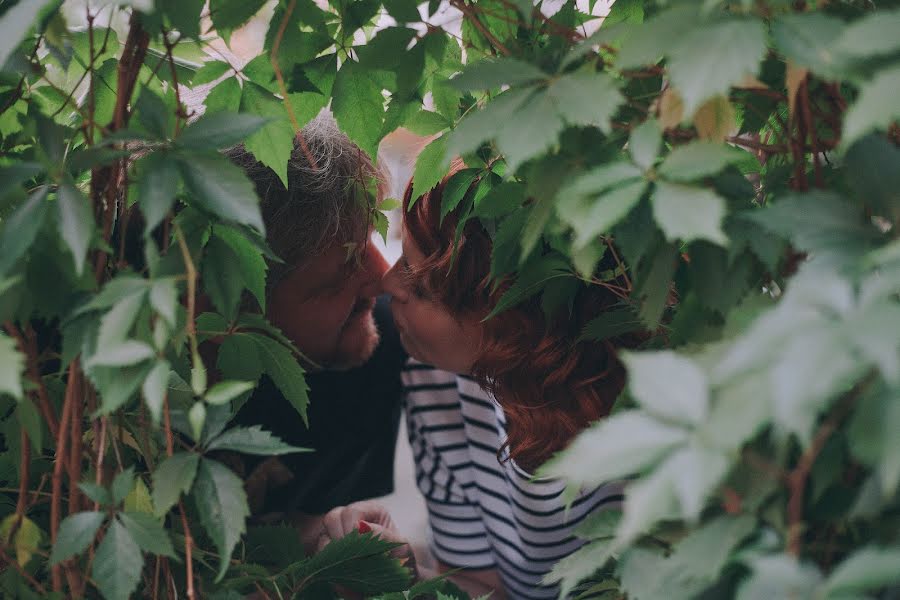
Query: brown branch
[473, 18]
[25, 574]
[29, 349]
[798, 477]
[810, 126]
[58, 466]
[75, 456]
[273, 58]
[188, 546]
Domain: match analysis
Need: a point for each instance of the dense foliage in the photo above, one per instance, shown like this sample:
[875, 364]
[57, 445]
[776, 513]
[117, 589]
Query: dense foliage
[730, 169]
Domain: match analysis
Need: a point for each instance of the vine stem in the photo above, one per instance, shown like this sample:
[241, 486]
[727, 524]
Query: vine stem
[461, 6]
[29, 349]
[188, 538]
[24, 476]
[798, 477]
[273, 58]
[58, 466]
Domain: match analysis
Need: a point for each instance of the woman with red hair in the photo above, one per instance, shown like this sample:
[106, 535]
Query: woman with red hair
[488, 401]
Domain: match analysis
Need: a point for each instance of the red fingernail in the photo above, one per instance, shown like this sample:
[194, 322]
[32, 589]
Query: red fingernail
[363, 527]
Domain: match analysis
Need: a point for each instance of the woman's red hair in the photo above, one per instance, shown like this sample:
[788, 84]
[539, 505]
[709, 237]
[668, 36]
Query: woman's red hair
[550, 385]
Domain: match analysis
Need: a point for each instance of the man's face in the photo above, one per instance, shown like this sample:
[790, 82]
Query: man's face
[325, 306]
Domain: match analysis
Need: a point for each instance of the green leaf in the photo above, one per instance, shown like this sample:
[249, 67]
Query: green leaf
[11, 176]
[97, 493]
[252, 440]
[197, 418]
[711, 58]
[173, 477]
[279, 364]
[426, 122]
[26, 540]
[875, 108]
[699, 159]
[483, 124]
[15, 23]
[359, 562]
[358, 107]
[222, 505]
[272, 143]
[704, 552]
[157, 186]
[610, 323]
[591, 216]
[76, 532]
[76, 223]
[579, 565]
[147, 531]
[32, 422]
[121, 354]
[138, 499]
[621, 445]
[117, 564]
[531, 280]
[221, 280]
[668, 385]
[221, 129]
[689, 213]
[868, 569]
[225, 391]
[657, 36]
[228, 15]
[121, 485]
[517, 143]
[492, 73]
[808, 40]
[221, 188]
[653, 289]
[586, 98]
[12, 363]
[644, 143]
[872, 35]
[780, 576]
[225, 96]
[18, 230]
[154, 389]
[431, 165]
[152, 113]
[404, 11]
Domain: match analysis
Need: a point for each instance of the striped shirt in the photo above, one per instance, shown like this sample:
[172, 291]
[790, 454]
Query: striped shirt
[484, 514]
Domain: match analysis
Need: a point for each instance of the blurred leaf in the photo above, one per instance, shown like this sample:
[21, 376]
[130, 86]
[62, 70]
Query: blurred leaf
[875, 108]
[26, 540]
[872, 35]
[867, 569]
[12, 365]
[225, 391]
[780, 576]
[222, 505]
[698, 159]
[76, 223]
[252, 440]
[715, 119]
[228, 15]
[157, 186]
[622, 445]
[710, 59]
[138, 499]
[531, 280]
[668, 385]
[808, 40]
[15, 23]
[644, 143]
[121, 485]
[152, 113]
[579, 565]
[688, 213]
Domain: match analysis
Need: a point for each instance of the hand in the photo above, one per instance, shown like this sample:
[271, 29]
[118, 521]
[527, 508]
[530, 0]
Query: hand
[366, 516]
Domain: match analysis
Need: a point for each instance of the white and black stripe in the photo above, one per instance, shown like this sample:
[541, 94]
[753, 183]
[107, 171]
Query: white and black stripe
[485, 514]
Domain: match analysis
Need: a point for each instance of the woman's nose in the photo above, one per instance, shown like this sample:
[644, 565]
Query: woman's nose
[392, 284]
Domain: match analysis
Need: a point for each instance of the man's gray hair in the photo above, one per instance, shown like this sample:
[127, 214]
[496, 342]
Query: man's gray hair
[324, 203]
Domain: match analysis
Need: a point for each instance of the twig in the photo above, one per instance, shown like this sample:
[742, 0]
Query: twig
[24, 473]
[29, 349]
[75, 456]
[58, 466]
[619, 264]
[25, 574]
[798, 476]
[473, 18]
[273, 58]
[188, 546]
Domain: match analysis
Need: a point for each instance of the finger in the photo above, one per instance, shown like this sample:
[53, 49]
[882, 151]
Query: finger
[323, 541]
[334, 523]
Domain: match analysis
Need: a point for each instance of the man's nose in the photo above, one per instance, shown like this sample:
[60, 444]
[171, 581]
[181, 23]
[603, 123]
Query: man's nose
[374, 268]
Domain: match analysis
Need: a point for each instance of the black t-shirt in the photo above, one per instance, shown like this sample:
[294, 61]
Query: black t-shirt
[353, 420]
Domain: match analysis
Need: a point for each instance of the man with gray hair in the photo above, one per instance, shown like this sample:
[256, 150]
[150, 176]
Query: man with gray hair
[323, 297]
